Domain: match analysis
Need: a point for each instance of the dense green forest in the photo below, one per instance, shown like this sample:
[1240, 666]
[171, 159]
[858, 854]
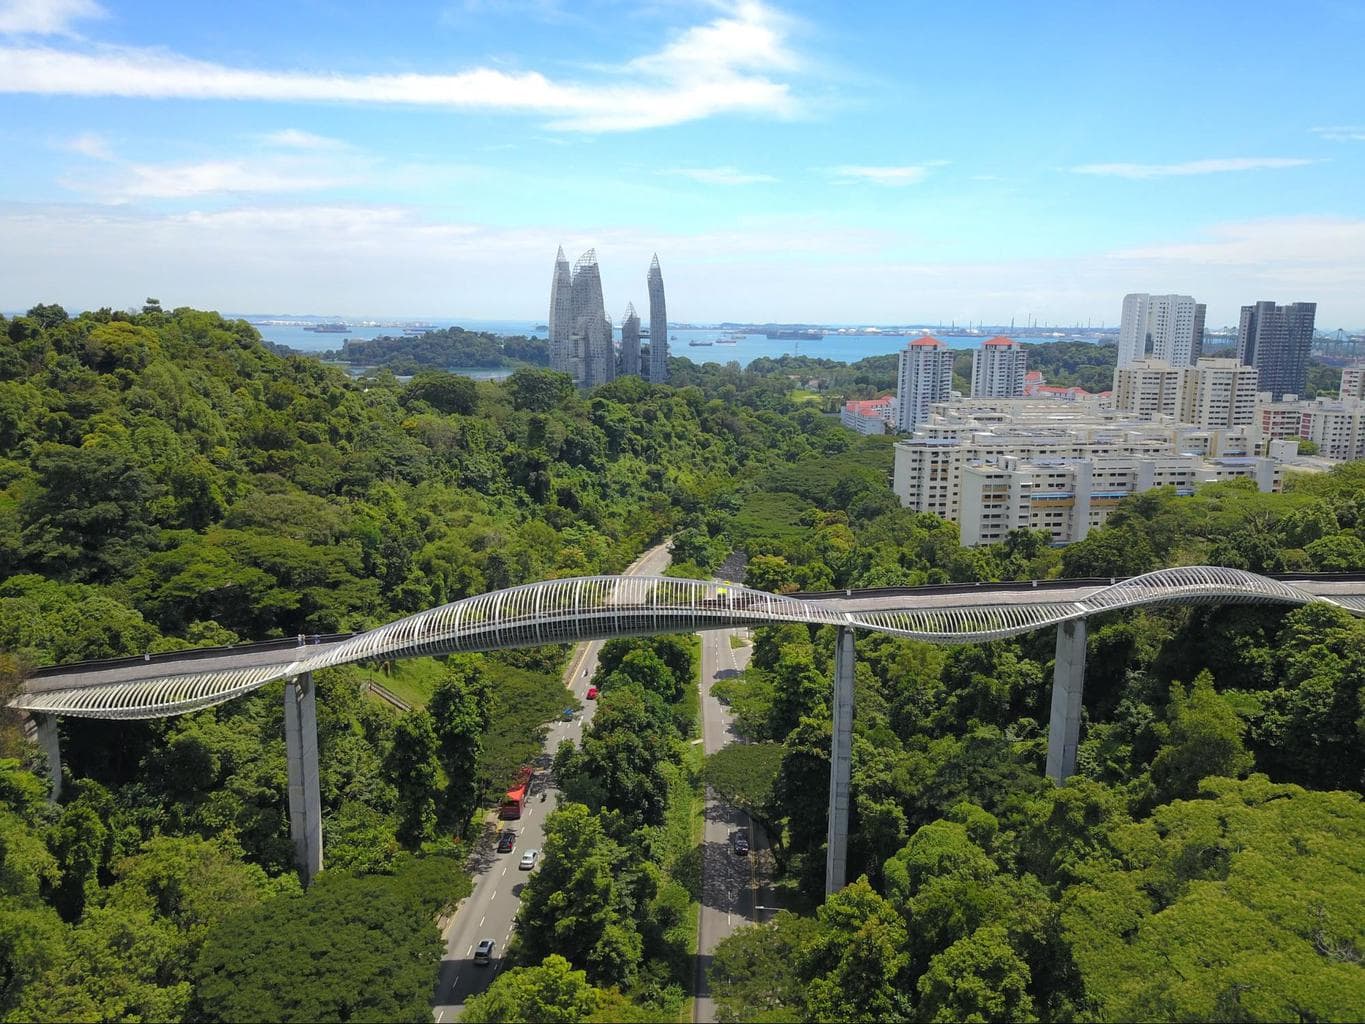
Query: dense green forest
[168, 481]
[447, 349]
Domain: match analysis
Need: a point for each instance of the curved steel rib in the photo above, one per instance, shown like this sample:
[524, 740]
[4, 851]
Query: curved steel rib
[606, 607]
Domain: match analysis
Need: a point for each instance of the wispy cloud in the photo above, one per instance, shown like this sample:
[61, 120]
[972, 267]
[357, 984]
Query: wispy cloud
[194, 180]
[88, 144]
[895, 177]
[45, 17]
[1220, 166]
[288, 161]
[1342, 133]
[292, 138]
[721, 67]
[1267, 245]
[721, 175]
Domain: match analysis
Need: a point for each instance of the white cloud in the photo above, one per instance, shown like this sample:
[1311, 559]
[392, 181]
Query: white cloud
[718, 68]
[1267, 246]
[96, 147]
[45, 17]
[117, 180]
[1342, 133]
[721, 175]
[292, 138]
[1253, 163]
[896, 177]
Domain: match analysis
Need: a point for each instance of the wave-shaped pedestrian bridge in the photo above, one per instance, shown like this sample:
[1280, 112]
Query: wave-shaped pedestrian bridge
[607, 607]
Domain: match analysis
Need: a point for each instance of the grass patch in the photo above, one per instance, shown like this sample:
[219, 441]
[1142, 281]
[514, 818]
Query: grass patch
[737, 641]
[770, 515]
[412, 680]
[807, 397]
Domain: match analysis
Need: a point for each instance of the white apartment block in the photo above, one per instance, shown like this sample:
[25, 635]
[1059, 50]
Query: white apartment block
[925, 376]
[871, 416]
[998, 368]
[1353, 382]
[1212, 393]
[1146, 388]
[1165, 327]
[1070, 497]
[1217, 393]
[1336, 426]
[969, 456]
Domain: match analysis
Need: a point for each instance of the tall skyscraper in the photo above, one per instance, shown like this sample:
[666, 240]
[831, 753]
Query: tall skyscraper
[630, 341]
[1276, 340]
[580, 330]
[925, 376]
[562, 318]
[1160, 327]
[592, 329]
[658, 325]
[1197, 335]
[998, 368]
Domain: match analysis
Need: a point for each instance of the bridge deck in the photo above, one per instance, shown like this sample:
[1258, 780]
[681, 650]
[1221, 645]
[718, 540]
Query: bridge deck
[594, 608]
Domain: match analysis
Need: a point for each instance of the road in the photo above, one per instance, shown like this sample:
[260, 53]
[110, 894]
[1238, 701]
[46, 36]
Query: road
[490, 909]
[729, 881]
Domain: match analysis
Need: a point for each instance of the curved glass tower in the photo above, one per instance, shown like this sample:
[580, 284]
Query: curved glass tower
[658, 325]
[561, 316]
[630, 341]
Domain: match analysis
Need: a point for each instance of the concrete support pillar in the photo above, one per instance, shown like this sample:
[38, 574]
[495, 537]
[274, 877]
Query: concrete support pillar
[840, 764]
[305, 797]
[52, 746]
[1068, 684]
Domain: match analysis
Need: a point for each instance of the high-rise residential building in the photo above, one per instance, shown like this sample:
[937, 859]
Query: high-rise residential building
[998, 368]
[1165, 327]
[1146, 388]
[630, 341]
[592, 330]
[925, 376]
[1217, 393]
[658, 324]
[1197, 335]
[1353, 382]
[561, 321]
[580, 330]
[1276, 340]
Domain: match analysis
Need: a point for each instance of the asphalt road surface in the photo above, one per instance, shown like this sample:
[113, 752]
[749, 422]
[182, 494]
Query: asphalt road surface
[730, 882]
[491, 908]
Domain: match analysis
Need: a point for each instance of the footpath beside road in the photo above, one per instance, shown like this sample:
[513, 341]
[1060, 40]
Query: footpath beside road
[491, 908]
[732, 884]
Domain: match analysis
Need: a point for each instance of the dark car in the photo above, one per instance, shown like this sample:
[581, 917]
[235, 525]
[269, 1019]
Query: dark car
[740, 842]
[507, 841]
[483, 952]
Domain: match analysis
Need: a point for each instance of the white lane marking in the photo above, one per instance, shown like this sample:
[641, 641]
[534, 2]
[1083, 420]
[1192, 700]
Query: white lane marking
[504, 871]
[491, 899]
[470, 950]
[440, 1015]
[481, 921]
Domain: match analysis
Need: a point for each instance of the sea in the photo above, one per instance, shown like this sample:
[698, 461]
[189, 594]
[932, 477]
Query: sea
[746, 347]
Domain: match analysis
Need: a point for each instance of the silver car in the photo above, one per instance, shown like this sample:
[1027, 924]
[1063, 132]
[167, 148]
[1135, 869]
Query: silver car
[528, 860]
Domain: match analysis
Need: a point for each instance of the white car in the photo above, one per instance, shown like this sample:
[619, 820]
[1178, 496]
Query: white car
[528, 860]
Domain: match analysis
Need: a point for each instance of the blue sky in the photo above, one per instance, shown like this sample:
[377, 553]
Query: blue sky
[865, 163]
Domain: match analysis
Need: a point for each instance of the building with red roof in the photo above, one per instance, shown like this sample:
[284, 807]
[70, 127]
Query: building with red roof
[925, 376]
[998, 368]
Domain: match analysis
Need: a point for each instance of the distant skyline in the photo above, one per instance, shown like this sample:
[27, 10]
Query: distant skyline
[871, 164]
